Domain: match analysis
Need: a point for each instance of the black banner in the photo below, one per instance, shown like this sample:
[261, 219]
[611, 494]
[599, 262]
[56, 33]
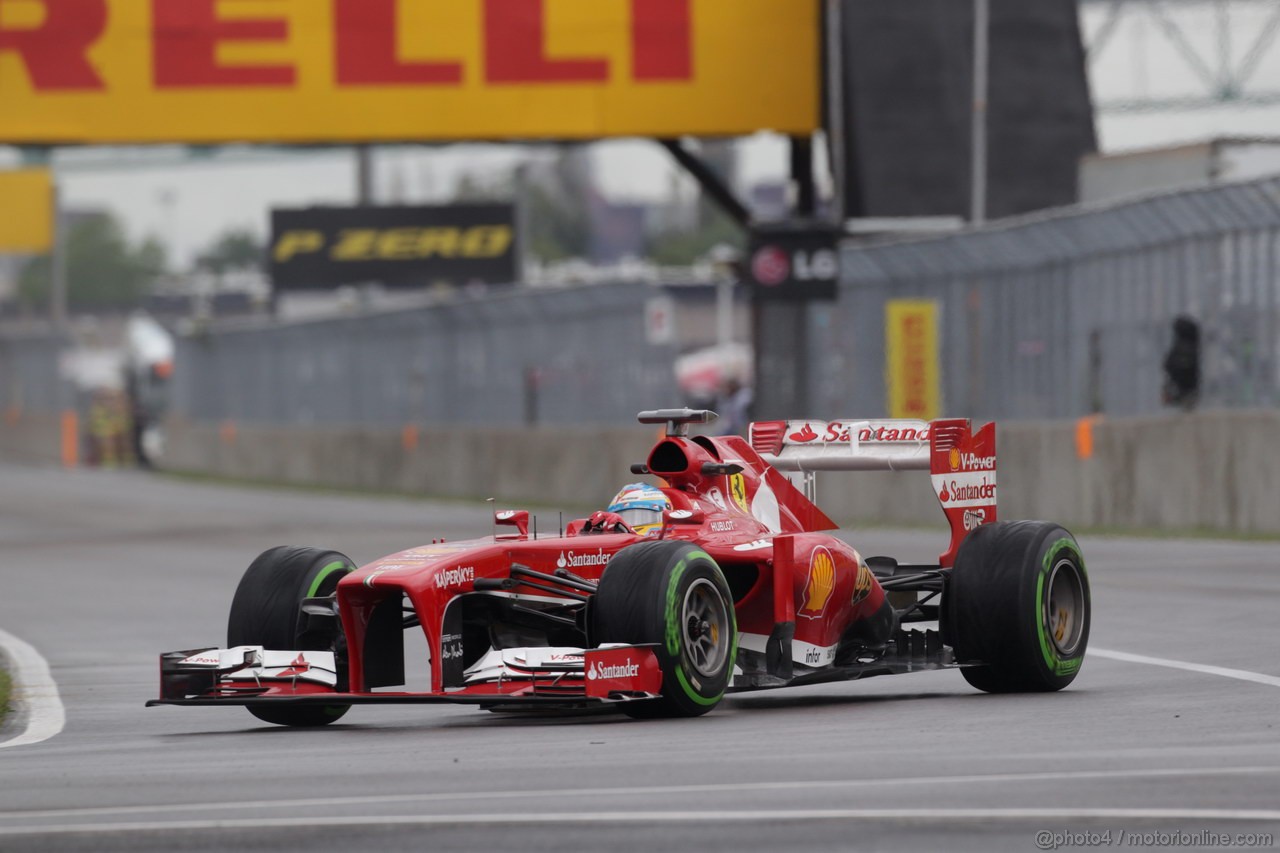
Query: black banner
[908, 102]
[794, 262]
[321, 247]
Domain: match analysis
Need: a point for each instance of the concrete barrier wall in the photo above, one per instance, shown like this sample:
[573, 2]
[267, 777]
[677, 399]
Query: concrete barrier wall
[1213, 471]
[540, 467]
[1204, 471]
[31, 438]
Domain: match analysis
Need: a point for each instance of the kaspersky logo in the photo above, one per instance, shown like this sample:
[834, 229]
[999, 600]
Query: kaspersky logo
[455, 577]
[570, 560]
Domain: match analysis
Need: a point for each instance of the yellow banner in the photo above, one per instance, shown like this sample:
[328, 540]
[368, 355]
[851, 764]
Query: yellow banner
[302, 71]
[911, 356]
[26, 211]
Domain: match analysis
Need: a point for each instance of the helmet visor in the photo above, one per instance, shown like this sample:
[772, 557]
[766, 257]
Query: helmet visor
[640, 517]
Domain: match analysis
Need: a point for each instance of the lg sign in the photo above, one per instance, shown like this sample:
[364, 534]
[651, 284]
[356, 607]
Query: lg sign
[771, 266]
[799, 264]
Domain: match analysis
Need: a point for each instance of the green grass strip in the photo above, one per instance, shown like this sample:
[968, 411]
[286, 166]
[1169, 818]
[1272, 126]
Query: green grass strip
[5, 685]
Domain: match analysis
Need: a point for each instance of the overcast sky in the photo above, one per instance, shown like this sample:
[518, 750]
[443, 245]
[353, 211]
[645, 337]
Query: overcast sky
[188, 205]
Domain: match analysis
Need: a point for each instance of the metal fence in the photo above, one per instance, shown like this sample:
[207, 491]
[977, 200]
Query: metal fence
[30, 379]
[1054, 315]
[553, 356]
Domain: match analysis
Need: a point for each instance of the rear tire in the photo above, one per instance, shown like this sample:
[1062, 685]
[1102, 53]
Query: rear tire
[1018, 604]
[266, 611]
[671, 595]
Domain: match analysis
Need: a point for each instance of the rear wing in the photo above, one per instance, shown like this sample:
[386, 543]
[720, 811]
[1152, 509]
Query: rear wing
[962, 463]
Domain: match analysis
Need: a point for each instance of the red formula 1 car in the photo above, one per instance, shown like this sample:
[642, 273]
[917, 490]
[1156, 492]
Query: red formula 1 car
[738, 588]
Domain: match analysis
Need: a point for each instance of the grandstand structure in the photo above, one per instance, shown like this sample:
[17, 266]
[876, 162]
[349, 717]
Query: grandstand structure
[1181, 55]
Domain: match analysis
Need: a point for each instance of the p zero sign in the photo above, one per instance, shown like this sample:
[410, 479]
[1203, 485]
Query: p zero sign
[794, 263]
[398, 246]
[111, 71]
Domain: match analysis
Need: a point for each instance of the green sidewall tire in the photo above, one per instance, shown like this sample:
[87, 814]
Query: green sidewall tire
[639, 601]
[266, 611]
[997, 607]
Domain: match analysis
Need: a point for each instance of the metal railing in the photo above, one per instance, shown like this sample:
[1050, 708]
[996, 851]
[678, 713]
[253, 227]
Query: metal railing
[1057, 314]
[30, 375]
[546, 356]
[1054, 315]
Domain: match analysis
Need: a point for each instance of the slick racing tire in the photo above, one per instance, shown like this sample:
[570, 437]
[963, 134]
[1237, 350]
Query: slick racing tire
[671, 595]
[267, 611]
[1018, 603]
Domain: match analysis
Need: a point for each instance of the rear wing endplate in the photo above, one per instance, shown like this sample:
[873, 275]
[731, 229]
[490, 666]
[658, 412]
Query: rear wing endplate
[961, 463]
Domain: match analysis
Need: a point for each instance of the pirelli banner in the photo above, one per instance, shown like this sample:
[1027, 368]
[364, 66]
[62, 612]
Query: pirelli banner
[315, 71]
[911, 359]
[26, 211]
[321, 247]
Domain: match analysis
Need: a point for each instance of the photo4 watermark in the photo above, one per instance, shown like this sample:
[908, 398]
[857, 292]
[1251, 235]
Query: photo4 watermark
[1201, 839]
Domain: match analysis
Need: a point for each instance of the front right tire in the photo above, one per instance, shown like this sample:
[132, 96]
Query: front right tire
[673, 596]
[267, 611]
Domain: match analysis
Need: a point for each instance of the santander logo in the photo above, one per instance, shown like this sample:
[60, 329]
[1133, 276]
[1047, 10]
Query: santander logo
[845, 432]
[625, 670]
[570, 560]
[804, 435]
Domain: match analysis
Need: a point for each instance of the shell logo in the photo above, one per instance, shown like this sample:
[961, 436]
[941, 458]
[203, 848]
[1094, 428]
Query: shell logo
[862, 587]
[820, 584]
[953, 459]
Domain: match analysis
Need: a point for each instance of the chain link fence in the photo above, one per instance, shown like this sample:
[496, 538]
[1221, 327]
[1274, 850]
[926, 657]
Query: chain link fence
[547, 356]
[1053, 315]
[1049, 316]
[30, 375]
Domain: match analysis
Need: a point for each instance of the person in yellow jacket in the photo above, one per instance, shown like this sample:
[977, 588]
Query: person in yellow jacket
[109, 429]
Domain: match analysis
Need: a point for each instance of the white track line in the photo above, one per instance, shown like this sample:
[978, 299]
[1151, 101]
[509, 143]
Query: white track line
[1238, 674]
[658, 817]
[368, 802]
[34, 693]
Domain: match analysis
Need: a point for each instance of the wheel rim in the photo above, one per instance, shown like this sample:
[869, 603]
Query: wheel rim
[705, 620]
[1064, 607]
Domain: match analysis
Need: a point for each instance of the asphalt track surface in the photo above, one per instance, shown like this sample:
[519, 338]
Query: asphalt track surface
[102, 571]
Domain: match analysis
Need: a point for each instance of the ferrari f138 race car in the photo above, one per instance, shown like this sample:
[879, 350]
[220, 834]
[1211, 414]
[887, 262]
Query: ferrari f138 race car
[736, 587]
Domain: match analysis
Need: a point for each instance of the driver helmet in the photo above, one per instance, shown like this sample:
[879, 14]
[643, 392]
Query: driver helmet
[641, 507]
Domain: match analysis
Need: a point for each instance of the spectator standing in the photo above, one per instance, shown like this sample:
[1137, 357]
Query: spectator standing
[737, 407]
[1182, 365]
